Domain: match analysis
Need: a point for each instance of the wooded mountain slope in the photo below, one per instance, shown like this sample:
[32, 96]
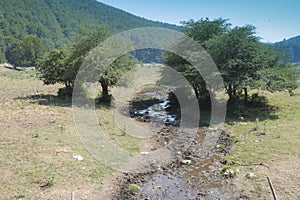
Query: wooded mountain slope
[56, 21]
[291, 49]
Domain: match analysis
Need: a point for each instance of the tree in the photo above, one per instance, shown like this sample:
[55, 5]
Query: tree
[107, 78]
[201, 31]
[204, 29]
[243, 61]
[52, 68]
[284, 76]
[60, 67]
[10, 52]
[80, 50]
[238, 57]
[115, 71]
[28, 51]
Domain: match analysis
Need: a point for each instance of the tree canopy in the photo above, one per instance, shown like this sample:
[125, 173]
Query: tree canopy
[60, 66]
[26, 52]
[242, 60]
[52, 67]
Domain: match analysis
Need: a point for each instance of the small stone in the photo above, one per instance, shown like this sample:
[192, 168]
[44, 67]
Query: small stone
[250, 175]
[78, 157]
[186, 162]
[242, 118]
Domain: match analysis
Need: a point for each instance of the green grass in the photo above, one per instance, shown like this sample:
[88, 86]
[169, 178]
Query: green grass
[24, 73]
[119, 135]
[38, 139]
[272, 139]
[281, 135]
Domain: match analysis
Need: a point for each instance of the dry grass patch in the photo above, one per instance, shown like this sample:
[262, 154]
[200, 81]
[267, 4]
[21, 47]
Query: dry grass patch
[38, 141]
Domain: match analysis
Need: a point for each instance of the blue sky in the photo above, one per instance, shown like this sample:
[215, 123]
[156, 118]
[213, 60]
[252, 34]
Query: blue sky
[274, 19]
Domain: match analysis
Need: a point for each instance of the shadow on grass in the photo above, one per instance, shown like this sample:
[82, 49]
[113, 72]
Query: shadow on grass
[65, 100]
[13, 68]
[104, 102]
[48, 100]
[257, 108]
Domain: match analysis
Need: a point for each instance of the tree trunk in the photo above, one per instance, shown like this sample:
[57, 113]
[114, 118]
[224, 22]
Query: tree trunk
[246, 95]
[104, 86]
[236, 90]
[230, 92]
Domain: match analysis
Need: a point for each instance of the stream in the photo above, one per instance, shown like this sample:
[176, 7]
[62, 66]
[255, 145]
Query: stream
[155, 111]
[195, 172]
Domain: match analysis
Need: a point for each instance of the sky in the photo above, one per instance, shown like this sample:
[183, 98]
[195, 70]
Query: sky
[275, 20]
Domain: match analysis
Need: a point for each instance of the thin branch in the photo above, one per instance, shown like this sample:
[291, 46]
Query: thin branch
[251, 164]
[272, 188]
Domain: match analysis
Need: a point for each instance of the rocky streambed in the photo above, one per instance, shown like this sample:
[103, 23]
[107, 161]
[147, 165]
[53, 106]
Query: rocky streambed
[193, 173]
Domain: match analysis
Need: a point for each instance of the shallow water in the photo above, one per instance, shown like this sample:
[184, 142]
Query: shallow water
[167, 186]
[157, 113]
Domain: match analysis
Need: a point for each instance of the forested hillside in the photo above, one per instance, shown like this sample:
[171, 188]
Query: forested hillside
[290, 48]
[56, 22]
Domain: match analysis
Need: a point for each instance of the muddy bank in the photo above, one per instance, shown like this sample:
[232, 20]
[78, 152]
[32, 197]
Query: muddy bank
[194, 174]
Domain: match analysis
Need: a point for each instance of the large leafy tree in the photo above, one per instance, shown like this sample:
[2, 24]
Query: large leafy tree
[246, 63]
[80, 50]
[205, 29]
[284, 76]
[61, 67]
[115, 71]
[52, 68]
[243, 61]
[201, 31]
[238, 57]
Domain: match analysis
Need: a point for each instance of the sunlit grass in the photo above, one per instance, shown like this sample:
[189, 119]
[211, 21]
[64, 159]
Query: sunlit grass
[38, 141]
[118, 135]
[273, 142]
[282, 136]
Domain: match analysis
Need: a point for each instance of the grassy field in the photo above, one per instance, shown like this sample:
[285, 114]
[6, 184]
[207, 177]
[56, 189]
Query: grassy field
[38, 141]
[272, 137]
